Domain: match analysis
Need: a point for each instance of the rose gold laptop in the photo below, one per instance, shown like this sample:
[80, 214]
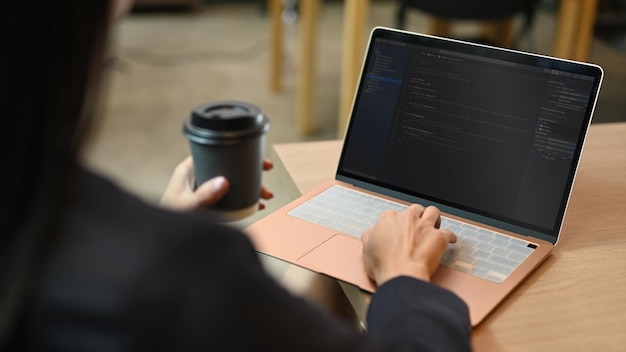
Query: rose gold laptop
[490, 136]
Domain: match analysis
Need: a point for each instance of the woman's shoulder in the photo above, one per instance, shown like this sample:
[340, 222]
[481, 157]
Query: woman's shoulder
[118, 258]
[102, 215]
[111, 204]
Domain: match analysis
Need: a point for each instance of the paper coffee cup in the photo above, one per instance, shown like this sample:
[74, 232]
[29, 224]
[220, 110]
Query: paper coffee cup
[227, 138]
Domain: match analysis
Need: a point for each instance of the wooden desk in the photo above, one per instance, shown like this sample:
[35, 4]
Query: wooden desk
[575, 300]
[572, 40]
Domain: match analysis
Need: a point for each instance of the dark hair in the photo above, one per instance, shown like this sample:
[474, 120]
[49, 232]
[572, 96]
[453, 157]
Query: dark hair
[52, 52]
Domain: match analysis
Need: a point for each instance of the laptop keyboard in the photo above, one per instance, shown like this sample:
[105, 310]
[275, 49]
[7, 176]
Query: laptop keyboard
[483, 253]
[344, 210]
[479, 252]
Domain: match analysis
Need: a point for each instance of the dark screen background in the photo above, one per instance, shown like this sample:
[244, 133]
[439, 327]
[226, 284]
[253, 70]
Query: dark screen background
[485, 135]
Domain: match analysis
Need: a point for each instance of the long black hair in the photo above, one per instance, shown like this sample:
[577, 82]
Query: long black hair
[51, 55]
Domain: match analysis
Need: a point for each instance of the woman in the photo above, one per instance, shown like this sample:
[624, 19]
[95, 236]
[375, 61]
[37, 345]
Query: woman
[86, 266]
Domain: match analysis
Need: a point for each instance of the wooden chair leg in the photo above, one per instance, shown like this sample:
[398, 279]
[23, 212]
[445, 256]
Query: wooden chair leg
[440, 27]
[498, 32]
[354, 39]
[305, 76]
[275, 9]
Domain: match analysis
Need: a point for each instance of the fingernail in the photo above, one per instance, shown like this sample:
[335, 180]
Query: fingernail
[219, 182]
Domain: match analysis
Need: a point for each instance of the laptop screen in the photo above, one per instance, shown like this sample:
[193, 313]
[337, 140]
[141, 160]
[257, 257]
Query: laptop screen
[485, 131]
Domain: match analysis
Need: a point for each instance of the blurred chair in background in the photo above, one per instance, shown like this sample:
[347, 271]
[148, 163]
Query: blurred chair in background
[495, 16]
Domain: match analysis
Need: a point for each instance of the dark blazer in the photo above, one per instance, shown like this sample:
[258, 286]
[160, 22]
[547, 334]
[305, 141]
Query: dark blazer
[126, 276]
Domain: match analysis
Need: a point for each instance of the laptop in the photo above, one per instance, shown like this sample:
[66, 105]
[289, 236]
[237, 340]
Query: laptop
[490, 136]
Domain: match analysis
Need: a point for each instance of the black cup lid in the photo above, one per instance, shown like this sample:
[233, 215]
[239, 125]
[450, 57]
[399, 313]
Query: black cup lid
[227, 116]
[226, 120]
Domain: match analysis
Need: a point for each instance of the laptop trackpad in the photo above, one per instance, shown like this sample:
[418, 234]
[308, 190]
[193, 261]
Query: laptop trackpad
[340, 257]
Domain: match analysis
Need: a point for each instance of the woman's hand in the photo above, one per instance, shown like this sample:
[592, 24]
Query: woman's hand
[406, 243]
[180, 194]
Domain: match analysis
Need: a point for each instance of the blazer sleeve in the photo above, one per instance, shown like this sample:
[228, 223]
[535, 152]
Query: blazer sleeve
[210, 292]
[124, 276]
[413, 315]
